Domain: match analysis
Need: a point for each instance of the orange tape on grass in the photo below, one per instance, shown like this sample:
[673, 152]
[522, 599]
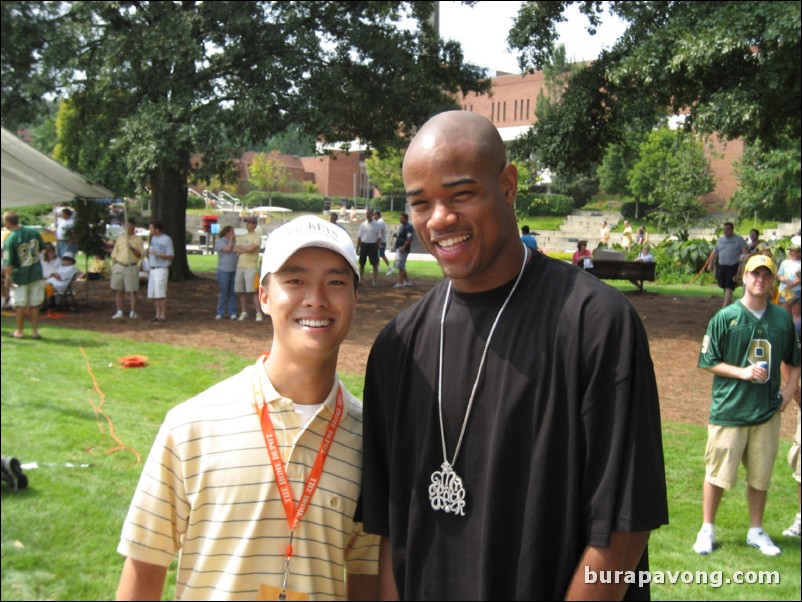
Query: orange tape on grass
[99, 412]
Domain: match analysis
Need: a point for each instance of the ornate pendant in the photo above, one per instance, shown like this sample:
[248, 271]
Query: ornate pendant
[447, 492]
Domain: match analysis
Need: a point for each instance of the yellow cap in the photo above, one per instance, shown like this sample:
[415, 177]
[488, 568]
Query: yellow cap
[760, 261]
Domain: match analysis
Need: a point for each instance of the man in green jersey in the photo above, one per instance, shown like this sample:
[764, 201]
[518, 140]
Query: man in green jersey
[744, 347]
[22, 270]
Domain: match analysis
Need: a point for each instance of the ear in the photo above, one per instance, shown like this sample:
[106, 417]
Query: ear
[264, 301]
[508, 182]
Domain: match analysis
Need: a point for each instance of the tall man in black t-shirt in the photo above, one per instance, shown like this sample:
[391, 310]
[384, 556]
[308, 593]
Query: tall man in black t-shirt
[512, 431]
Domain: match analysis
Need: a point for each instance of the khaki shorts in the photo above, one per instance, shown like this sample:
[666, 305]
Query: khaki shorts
[125, 278]
[793, 453]
[29, 295]
[245, 280]
[157, 283]
[755, 446]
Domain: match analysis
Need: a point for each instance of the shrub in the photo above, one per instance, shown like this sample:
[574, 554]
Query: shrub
[644, 209]
[580, 188]
[530, 204]
[680, 261]
[195, 202]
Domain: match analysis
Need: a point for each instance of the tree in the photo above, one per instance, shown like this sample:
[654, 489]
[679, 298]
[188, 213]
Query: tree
[671, 173]
[268, 172]
[769, 181]
[732, 67]
[152, 83]
[292, 141]
[617, 162]
[384, 171]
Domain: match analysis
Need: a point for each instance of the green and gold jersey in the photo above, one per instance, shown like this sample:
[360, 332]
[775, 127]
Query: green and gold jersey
[737, 337]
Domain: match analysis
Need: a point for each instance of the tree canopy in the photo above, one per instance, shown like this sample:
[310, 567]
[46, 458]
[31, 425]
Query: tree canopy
[733, 67]
[671, 173]
[151, 83]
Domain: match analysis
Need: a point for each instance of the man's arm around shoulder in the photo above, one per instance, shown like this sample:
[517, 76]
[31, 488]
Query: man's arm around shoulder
[141, 581]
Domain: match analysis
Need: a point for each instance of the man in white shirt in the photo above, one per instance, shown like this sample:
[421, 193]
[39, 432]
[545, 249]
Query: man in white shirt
[367, 245]
[61, 278]
[377, 217]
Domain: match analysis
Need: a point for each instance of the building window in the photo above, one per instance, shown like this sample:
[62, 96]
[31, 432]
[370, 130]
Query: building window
[527, 109]
[515, 118]
[504, 114]
[492, 111]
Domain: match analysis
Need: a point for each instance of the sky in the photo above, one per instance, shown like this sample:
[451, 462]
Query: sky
[483, 29]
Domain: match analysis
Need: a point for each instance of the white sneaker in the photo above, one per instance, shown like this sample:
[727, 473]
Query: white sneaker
[794, 529]
[218, 317]
[243, 316]
[705, 542]
[407, 283]
[233, 316]
[390, 271]
[118, 315]
[132, 315]
[762, 542]
[260, 317]
[399, 285]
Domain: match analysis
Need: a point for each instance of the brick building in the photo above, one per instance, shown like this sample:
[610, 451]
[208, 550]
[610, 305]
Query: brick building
[512, 105]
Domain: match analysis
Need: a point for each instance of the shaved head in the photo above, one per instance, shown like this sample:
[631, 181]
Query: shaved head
[460, 129]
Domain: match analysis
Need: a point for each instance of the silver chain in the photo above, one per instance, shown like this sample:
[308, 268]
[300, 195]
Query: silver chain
[481, 363]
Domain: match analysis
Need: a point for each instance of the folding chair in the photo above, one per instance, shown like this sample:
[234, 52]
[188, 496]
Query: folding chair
[65, 301]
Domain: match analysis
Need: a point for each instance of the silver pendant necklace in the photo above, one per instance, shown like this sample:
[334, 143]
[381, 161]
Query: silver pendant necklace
[446, 491]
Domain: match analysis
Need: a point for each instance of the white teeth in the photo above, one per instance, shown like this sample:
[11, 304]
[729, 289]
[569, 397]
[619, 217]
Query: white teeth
[314, 323]
[452, 241]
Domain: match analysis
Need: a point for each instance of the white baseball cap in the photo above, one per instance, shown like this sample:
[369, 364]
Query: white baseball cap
[302, 232]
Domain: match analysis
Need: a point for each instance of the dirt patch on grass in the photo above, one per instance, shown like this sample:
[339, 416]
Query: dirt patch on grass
[675, 327]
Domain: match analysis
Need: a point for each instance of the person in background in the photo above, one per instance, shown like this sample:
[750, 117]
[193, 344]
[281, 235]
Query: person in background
[581, 254]
[160, 256]
[403, 244]
[256, 480]
[245, 282]
[502, 460]
[790, 288]
[795, 457]
[626, 236]
[645, 254]
[604, 235]
[528, 238]
[22, 273]
[753, 242]
[747, 347]
[377, 217]
[727, 253]
[226, 271]
[99, 268]
[59, 280]
[367, 245]
[65, 234]
[128, 251]
[50, 260]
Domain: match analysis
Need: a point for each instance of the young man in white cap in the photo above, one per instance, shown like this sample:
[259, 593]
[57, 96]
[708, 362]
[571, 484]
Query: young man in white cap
[745, 344]
[256, 480]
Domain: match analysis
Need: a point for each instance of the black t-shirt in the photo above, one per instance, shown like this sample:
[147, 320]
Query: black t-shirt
[563, 444]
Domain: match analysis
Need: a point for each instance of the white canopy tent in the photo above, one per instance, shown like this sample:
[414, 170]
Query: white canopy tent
[30, 177]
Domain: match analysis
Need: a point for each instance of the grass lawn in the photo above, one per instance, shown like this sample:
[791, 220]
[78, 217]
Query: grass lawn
[62, 396]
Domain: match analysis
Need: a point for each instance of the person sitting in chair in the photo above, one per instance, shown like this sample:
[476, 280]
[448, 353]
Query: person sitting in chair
[61, 278]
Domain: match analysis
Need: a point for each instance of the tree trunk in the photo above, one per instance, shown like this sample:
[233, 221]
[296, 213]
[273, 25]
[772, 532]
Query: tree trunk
[170, 207]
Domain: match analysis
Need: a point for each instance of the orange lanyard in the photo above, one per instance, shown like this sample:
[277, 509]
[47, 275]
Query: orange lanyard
[295, 513]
